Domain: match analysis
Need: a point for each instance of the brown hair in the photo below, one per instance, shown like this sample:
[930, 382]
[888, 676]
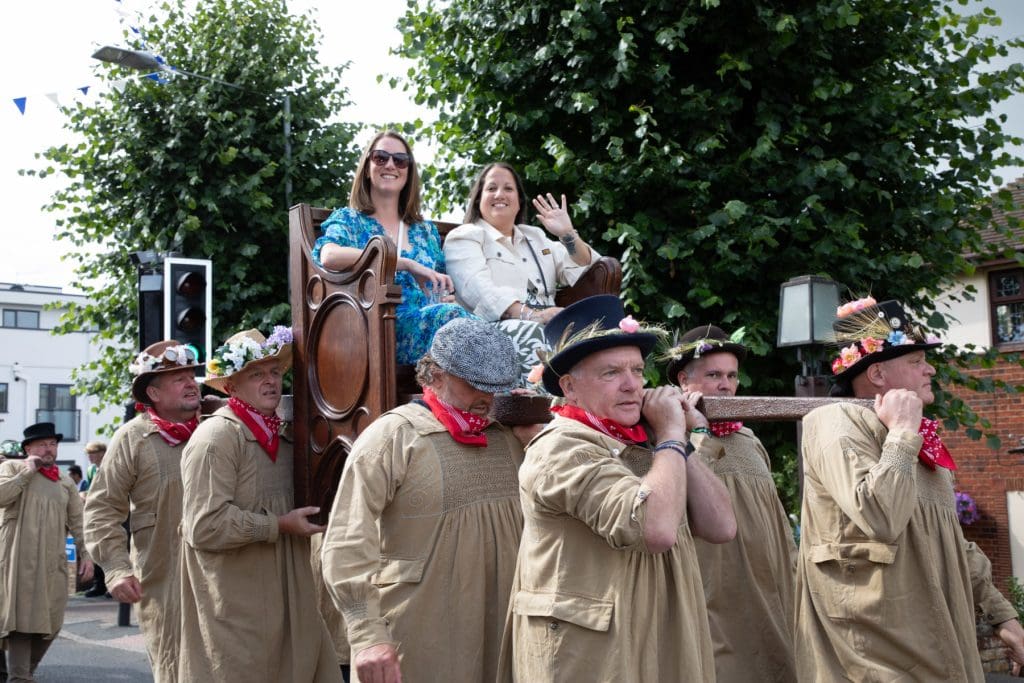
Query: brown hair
[408, 199]
[473, 203]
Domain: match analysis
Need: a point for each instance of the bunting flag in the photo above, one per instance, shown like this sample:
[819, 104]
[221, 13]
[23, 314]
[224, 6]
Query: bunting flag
[129, 19]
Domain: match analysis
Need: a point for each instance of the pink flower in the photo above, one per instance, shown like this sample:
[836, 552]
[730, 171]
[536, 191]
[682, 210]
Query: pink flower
[871, 345]
[866, 302]
[932, 339]
[536, 374]
[850, 355]
[854, 306]
[629, 325]
[837, 366]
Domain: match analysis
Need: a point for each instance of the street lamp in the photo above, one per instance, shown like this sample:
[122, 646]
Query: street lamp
[807, 309]
[145, 61]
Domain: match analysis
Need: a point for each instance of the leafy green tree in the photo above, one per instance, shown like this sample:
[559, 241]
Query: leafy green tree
[721, 148]
[192, 165]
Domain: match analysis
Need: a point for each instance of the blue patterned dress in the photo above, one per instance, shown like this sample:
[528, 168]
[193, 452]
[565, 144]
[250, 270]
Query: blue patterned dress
[416, 319]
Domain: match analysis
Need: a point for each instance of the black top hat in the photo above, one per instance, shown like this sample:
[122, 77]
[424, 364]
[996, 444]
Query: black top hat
[701, 341]
[871, 333]
[587, 326]
[40, 430]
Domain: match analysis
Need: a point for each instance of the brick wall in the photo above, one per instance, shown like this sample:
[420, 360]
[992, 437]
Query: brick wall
[986, 474]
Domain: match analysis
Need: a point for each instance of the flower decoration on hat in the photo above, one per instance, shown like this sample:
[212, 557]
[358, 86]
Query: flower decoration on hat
[626, 326]
[869, 331]
[144, 362]
[234, 354]
[697, 347]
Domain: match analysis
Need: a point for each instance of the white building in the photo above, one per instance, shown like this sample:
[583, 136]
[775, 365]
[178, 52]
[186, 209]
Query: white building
[35, 371]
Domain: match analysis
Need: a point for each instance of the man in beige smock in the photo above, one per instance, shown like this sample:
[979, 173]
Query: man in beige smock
[39, 507]
[141, 481]
[749, 581]
[421, 546]
[248, 609]
[607, 586]
[886, 584]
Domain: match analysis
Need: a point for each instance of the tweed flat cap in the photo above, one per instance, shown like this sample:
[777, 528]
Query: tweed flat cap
[478, 353]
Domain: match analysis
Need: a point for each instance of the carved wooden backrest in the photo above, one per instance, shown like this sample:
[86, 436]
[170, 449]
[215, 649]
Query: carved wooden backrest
[345, 370]
[344, 353]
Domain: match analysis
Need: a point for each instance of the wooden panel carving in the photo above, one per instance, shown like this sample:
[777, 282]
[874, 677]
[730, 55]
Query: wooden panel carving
[344, 376]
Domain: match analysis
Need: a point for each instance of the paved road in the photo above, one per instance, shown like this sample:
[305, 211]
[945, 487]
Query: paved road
[92, 647]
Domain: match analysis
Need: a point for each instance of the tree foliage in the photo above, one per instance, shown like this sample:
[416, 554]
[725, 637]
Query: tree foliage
[195, 166]
[721, 148]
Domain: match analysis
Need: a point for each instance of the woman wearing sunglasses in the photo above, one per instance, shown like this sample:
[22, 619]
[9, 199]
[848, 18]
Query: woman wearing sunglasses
[506, 271]
[385, 200]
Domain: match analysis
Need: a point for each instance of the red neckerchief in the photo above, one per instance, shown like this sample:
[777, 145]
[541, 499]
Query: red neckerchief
[724, 428]
[263, 427]
[50, 472]
[628, 435]
[465, 428]
[933, 452]
[172, 433]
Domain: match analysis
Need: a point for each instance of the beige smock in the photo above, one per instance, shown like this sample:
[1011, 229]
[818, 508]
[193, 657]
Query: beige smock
[491, 271]
[141, 477]
[329, 612]
[36, 516]
[248, 609]
[590, 602]
[421, 546]
[886, 583]
[749, 581]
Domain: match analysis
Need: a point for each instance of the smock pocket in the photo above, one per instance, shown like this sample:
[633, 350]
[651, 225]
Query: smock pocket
[566, 633]
[849, 579]
[399, 571]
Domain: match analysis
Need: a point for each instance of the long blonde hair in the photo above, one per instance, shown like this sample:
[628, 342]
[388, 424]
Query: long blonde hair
[408, 199]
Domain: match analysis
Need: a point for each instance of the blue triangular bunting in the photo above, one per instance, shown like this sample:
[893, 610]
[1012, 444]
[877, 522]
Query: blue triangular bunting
[19, 102]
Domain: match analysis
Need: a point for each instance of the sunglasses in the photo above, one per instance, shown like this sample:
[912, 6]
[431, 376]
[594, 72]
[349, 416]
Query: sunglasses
[380, 158]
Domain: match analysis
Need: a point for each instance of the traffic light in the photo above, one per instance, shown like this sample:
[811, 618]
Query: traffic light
[188, 304]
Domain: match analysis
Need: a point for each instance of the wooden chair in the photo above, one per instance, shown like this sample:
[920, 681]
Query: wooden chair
[345, 369]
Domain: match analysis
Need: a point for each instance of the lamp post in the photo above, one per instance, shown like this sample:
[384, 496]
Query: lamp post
[807, 309]
[145, 61]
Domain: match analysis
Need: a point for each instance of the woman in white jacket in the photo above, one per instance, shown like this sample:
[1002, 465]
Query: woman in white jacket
[507, 272]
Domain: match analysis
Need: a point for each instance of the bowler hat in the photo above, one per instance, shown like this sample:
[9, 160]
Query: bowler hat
[588, 326]
[698, 342]
[40, 430]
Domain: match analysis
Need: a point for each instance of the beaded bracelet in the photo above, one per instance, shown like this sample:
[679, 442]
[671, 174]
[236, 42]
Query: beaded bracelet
[678, 446]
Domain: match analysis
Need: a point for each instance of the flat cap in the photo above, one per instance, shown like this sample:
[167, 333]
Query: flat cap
[477, 352]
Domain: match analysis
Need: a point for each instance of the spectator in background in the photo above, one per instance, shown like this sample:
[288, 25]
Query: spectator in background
[75, 472]
[38, 509]
[94, 450]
